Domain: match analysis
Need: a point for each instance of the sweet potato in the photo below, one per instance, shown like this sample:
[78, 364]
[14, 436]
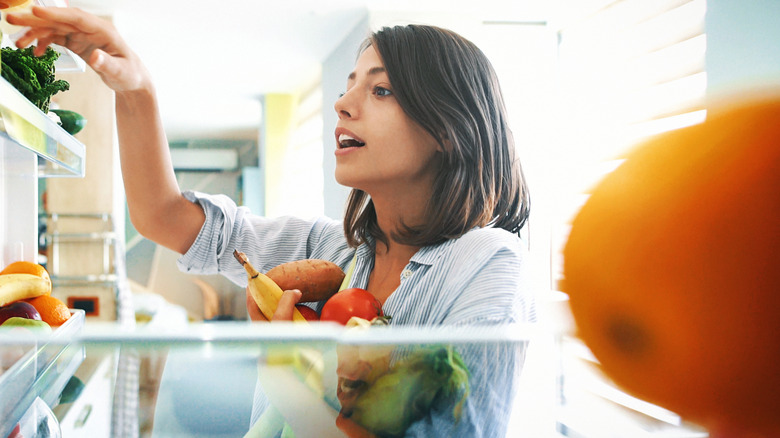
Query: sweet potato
[317, 279]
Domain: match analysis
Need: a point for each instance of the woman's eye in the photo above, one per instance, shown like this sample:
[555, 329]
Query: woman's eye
[382, 91]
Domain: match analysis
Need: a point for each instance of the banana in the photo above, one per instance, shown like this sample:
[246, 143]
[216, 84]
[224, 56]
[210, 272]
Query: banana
[265, 292]
[15, 287]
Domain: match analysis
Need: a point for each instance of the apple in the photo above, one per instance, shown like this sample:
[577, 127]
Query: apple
[20, 309]
[31, 324]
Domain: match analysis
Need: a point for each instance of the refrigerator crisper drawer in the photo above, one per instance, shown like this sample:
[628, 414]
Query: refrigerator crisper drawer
[43, 370]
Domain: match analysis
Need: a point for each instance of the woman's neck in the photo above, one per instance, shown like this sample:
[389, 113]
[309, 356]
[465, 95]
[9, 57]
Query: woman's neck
[399, 210]
[389, 262]
[391, 257]
[395, 251]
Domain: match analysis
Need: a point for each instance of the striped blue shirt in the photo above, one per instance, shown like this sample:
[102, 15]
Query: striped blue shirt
[477, 279]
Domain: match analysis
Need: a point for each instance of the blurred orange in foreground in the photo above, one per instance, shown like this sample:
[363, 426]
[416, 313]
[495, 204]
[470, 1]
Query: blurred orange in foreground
[672, 271]
[53, 311]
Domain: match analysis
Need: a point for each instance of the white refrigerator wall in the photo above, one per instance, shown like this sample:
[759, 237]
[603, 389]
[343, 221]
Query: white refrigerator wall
[18, 203]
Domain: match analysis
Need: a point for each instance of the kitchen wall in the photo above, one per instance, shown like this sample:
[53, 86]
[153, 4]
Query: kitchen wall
[335, 69]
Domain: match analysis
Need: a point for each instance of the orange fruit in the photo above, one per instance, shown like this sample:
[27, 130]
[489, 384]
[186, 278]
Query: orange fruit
[53, 311]
[672, 271]
[23, 267]
[5, 4]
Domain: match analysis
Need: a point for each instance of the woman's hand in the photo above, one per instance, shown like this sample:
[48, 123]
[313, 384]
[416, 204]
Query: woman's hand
[284, 310]
[92, 38]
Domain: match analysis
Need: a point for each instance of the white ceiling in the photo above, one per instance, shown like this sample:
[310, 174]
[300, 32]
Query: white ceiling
[211, 60]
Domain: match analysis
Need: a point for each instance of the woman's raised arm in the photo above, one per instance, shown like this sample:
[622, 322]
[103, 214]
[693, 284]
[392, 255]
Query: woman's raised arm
[157, 208]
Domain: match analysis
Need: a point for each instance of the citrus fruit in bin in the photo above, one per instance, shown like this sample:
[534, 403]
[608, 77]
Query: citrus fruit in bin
[24, 267]
[671, 267]
[5, 4]
[53, 311]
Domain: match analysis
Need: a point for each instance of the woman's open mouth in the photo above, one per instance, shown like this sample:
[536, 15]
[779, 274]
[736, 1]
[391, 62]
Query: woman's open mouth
[347, 141]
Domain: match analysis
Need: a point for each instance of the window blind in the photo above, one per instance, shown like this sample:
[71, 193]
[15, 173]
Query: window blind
[628, 70]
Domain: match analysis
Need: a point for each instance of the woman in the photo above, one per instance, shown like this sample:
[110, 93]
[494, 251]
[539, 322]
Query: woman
[433, 219]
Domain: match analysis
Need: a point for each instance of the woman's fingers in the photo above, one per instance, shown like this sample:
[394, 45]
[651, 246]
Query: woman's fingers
[252, 310]
[286, 306]
[70, 19]
[46, 23]
[284, 310]
[81, 35]
[92, 38]
[43, 35]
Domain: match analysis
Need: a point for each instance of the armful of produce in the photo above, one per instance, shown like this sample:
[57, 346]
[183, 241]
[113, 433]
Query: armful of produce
[316, 279]
[33, 76]
[264, 291]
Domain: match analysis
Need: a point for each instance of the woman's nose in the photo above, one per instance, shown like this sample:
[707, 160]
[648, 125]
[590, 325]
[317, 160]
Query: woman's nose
[345, 108]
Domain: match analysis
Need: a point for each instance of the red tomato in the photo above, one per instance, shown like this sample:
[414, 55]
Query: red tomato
[348, 303]
[308, 313]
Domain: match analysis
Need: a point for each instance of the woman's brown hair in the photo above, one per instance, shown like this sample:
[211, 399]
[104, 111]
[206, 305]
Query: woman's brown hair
[447, 85]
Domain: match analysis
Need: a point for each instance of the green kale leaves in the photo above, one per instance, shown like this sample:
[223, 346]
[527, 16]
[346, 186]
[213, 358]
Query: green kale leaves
[33, 76]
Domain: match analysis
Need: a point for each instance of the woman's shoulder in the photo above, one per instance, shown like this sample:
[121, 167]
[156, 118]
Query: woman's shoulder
[489, 239]
[475, 248]
[491, 233]
[484, 274]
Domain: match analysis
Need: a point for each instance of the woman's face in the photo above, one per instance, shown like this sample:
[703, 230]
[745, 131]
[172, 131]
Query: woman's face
[379, 149]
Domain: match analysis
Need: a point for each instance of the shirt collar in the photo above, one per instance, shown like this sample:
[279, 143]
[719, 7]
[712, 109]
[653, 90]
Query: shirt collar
[426, 255]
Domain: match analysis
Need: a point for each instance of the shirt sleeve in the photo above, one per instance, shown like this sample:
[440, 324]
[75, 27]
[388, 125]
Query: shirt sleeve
[267, 242]
[494, 292]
